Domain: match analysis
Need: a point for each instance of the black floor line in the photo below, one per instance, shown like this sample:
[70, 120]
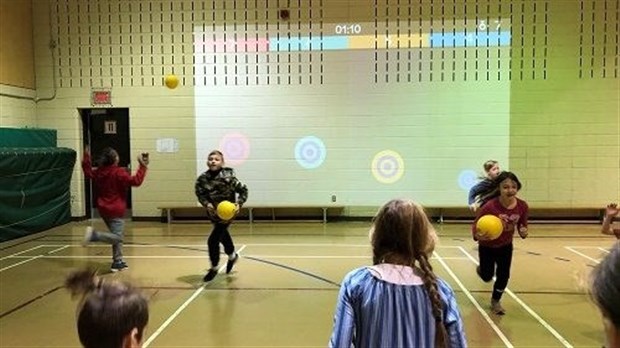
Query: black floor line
[292, 269]
[22, 305]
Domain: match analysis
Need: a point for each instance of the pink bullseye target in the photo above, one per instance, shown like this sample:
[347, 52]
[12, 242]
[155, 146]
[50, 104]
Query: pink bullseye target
[236, 148]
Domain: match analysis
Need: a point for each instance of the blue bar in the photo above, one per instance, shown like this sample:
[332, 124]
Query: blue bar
[304, 43]
[461, 39]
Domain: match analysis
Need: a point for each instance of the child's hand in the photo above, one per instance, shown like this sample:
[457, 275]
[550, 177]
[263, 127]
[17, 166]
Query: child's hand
[523, 232]
[612, 210]
[474, 206]
[143, 159]
[480, 236]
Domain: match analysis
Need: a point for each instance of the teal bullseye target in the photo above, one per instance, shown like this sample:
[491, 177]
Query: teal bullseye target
[310, 152]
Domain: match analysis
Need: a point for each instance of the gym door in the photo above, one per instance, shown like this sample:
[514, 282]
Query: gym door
[101, 128]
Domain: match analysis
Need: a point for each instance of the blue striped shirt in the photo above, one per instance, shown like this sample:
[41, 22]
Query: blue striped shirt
[374, 313]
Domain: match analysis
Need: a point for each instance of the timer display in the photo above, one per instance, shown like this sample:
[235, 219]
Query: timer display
[348, 29]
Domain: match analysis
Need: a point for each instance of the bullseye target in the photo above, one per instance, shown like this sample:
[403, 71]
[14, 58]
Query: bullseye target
[388, 167]
[467, 179]
[235, 147]
[310, 152]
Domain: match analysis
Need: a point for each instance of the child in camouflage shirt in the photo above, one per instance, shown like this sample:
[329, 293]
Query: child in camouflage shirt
[219, 184]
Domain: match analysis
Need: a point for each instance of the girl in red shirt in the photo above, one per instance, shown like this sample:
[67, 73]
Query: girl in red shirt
[496, 255]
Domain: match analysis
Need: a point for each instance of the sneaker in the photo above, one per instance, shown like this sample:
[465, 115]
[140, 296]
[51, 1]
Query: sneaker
[231, 263]
[88, 236]
[210, 275]
[496, 308]
[118, 266]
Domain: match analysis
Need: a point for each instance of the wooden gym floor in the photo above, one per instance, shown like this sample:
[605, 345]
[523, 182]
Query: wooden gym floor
[282, 293]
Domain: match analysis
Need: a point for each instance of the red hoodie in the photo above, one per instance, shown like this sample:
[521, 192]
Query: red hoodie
[112, 183]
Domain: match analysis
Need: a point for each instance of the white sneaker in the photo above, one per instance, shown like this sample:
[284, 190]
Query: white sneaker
[88, 236]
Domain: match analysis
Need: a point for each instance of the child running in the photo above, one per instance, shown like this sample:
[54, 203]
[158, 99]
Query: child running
[496, 255]
[112, 183]
[611, 222]
[219, 184]
[398, 301]
[484, 190]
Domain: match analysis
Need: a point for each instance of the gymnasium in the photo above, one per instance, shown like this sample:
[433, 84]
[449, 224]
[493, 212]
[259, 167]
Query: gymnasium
[326, 110]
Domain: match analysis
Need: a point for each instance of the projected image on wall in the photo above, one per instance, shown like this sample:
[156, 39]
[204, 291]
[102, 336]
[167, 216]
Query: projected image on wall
[361, 111]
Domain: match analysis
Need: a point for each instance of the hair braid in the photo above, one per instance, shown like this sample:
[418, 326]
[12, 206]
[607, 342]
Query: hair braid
[430, 283]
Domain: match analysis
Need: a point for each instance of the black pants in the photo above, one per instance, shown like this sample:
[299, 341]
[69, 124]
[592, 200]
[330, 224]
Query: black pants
[218, 235]
[489, 259]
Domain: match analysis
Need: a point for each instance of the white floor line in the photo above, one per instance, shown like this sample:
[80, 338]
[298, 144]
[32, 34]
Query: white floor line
[181, 308]
[22, 252]
[129, 245]
[471, 298]
[174, 315]
[583, 247]
[202, 257]
[546, 325]
[203, 245]
[581, 254]
[603, 249]
[33, 258]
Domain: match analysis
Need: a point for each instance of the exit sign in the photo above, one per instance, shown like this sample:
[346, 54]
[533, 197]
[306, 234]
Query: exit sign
[101, 97]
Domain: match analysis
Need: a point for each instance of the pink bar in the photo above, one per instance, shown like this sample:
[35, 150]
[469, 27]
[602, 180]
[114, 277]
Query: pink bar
[228, 46]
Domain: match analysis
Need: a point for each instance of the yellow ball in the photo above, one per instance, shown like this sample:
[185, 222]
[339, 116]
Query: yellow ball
[171, 81]
[490, 226]
[226, 210]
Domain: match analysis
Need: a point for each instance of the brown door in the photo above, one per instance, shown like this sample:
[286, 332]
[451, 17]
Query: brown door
[101, 128]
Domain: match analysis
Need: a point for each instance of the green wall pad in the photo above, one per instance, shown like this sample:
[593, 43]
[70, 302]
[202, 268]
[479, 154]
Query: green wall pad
[27, 137]
[34, 189]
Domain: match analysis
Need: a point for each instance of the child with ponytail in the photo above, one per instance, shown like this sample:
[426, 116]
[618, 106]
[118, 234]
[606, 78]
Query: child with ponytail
[398, 301]
[111, 314]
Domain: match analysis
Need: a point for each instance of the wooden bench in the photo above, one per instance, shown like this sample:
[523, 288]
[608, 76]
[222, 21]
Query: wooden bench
[188, 213]
[536, 213]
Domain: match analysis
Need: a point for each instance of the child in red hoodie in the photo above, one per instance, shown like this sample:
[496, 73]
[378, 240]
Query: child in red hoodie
[112, 183]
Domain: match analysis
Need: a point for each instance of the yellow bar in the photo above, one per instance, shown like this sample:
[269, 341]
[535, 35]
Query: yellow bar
[361, 42]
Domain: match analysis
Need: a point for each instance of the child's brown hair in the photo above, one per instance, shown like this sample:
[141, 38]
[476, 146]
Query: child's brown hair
[109, 310]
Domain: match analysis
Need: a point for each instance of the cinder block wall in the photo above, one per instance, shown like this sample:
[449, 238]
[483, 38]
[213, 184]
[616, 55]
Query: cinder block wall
[560, 89]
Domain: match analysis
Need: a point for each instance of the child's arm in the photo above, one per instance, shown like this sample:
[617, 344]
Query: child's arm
[203, 195]
[473, 192]
[522, 225]
[242, 192]
[87, 166]
[611, 212]
[137, 179]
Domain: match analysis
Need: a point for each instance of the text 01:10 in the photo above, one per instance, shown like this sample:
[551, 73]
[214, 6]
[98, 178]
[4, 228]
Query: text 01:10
[341, 29]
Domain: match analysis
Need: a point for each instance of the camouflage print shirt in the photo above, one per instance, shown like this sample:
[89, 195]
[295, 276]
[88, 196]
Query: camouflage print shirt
[214, 187]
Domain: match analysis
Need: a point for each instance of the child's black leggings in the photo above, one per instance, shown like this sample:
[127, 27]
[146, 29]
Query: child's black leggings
[219, 235]
[489, 258]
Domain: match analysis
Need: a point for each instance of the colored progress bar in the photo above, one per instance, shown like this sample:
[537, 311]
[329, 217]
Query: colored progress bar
[356, 42]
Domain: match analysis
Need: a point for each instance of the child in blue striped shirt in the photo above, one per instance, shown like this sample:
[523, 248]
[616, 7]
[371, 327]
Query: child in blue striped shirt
[398, 301]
